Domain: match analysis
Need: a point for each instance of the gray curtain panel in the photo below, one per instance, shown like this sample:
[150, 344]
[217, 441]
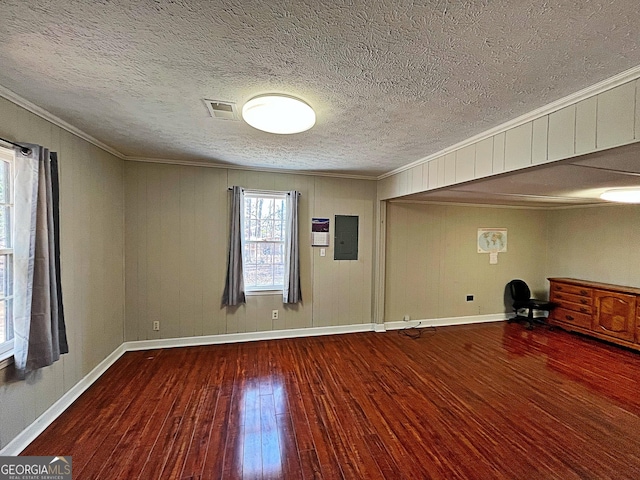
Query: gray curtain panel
[292, 292]
[40, 332]
[234, 286]
[55, 204]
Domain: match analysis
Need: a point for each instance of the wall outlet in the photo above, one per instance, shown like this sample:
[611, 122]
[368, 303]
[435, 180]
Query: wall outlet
[406, 318]
[469, 298]
[156, 326]
[274, 314]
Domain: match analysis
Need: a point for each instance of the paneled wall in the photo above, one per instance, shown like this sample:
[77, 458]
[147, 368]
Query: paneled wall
[595, 243]
[608, 119]
[151, 240]
[92, 245]
[176, 253]
[432, 261]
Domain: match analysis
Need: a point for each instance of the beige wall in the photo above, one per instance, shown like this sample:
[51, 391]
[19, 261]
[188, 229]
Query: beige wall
[92, 236]
[169, 225]
[176, 253]
[595, 243]
[432, 261]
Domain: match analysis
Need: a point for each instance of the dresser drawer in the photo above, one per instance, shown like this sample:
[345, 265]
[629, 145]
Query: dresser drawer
[574, 307]
[573, 318]
[562, 297]
[571, 289]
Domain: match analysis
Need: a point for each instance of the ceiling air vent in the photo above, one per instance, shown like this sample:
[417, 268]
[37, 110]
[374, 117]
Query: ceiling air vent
[222, 110]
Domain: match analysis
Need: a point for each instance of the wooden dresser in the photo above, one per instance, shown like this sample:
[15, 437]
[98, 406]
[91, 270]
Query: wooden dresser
[609, 312]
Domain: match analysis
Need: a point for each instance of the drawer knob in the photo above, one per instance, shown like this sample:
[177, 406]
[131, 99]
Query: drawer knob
[568, 317]
[558, 287]
[583, 310]
[583, 292]
[583, 301]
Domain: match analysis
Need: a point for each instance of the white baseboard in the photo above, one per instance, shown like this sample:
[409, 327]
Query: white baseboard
[24, 438]
[245, 337]
[443, 322]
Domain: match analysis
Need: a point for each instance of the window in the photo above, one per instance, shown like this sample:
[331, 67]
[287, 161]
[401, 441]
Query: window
[6, 253]
[264, 233]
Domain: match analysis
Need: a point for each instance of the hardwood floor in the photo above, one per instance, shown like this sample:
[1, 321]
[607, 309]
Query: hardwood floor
[482, 401]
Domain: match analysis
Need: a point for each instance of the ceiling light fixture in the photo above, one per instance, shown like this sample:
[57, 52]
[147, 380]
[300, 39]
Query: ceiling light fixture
[624, 195]
[280, 114]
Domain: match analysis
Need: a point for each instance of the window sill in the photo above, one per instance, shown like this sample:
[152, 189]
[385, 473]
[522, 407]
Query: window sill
[6, 359]
[263, 292]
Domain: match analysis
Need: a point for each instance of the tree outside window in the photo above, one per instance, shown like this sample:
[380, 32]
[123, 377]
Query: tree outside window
[264, 233]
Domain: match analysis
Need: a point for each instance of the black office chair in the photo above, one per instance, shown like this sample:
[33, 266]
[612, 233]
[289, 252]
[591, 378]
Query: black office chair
[521, 296]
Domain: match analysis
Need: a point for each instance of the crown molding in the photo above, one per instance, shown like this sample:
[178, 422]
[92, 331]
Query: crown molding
[50, 117]
[467, 204]
[588, 92]
[209, 164]
[592, 205]
[44, 114]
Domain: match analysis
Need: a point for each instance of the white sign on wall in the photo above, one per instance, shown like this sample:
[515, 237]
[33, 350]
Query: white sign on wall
[492, 241]
[320, 232]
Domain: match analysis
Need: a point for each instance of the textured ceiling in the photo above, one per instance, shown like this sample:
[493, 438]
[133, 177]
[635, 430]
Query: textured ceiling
[391, 81]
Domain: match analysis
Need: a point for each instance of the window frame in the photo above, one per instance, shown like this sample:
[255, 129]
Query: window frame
[8, 156]
[266, 194]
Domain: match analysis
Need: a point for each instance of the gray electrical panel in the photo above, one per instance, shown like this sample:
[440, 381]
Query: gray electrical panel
[345, 246]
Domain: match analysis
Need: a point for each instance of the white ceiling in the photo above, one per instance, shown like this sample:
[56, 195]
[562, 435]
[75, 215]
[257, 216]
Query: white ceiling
[391, 81]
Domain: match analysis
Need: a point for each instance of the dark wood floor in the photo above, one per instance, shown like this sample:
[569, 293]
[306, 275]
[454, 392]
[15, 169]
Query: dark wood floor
[484, 401]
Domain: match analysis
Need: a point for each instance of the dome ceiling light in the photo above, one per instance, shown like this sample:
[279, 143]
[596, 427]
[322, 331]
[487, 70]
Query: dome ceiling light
[279, 114]
[623, 195]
